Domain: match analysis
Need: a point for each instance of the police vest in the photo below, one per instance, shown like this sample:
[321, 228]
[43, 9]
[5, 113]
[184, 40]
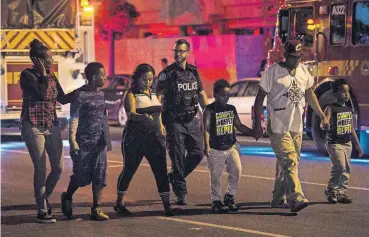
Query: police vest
[340, 125]
[183, 90]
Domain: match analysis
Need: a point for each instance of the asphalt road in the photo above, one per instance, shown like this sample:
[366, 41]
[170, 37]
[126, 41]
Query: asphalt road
[255, 218]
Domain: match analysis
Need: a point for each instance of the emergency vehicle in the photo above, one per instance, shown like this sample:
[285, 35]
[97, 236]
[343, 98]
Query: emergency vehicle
[66, 27]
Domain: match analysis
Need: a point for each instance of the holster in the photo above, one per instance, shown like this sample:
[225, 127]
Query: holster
[184, 117]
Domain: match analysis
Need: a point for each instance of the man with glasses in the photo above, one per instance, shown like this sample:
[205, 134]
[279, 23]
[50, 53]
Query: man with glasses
[180, 90]
[288, 86]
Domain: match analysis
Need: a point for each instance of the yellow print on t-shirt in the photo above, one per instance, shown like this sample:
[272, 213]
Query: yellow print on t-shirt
[344, 123]
[224, 122]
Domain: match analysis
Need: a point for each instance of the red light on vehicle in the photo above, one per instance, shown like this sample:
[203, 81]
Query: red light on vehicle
[312, 24]
[333, 70]
[253, 114]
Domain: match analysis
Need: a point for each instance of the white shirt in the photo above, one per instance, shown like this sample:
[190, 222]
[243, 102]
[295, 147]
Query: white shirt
[144, 101]
[286, 96]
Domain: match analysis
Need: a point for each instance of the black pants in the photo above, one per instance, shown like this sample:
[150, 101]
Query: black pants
[181, 138]
[137, 144]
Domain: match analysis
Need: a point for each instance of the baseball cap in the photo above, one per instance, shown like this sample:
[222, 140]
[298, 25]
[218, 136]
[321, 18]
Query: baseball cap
[293, 47]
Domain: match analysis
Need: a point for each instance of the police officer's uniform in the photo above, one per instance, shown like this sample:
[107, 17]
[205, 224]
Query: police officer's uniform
[181, 88]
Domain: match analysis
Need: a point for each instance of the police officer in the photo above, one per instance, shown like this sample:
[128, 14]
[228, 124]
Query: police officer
[180, 90]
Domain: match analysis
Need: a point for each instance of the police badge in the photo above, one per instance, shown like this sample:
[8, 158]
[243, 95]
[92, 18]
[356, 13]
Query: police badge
[162, 77]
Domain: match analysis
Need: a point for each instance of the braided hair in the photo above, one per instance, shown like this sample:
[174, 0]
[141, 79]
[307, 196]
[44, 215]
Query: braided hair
[140, 70]
[37, 49]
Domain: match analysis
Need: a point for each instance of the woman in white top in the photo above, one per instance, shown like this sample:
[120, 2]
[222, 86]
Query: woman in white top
[143, 136]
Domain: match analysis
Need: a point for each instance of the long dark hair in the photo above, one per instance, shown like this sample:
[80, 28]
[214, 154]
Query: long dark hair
[38, 49]
[139, 71]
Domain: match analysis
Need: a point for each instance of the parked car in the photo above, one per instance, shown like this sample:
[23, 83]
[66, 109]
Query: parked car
[114, 91]
[242, 96]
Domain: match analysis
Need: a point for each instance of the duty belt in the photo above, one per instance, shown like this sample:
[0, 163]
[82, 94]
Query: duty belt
[184, 117]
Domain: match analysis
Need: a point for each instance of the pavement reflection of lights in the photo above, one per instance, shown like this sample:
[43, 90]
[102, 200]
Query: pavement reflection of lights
[310, 156]
[12, 145]
[17, 145]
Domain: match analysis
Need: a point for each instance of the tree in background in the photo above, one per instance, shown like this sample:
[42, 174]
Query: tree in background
[114, 19]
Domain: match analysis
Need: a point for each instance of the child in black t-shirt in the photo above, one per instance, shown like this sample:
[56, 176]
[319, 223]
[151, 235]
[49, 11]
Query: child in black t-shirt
[338, 143]
[221, 146]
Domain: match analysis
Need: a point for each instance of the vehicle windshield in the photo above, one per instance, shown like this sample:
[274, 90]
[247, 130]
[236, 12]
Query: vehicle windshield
[117, 83]
[237, 89]
[299, 25]
[360, 24]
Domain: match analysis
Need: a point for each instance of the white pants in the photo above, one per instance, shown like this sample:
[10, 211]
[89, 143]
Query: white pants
[216, 161]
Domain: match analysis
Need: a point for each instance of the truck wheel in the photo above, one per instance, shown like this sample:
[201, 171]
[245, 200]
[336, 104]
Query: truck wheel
[63, 124]
[122, 116]
[317, 133]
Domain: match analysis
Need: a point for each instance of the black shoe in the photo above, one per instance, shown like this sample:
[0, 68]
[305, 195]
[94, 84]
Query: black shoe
[170, 211]
[343, 198]
[331, 196]
[218, 208]
[299, 205]
[49, 211]
[122, 210]
[229, 202]
[181, 200]
[45, 218]
[281, 204]
[66, 205]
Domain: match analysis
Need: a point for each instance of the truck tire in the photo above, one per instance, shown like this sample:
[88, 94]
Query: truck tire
[318, 134]
[122, 116]
[309, 134]
[63, 124]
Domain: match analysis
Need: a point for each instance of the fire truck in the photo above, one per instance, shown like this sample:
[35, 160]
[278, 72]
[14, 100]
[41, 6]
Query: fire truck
[335, 39]
[65, 27]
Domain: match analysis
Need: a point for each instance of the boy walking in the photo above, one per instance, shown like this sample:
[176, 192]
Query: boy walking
[89, 141]
[338, 143]
[221, 146]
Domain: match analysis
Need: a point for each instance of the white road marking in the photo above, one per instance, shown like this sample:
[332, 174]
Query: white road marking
[222, 227]
[15, 151]
[201, 171]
